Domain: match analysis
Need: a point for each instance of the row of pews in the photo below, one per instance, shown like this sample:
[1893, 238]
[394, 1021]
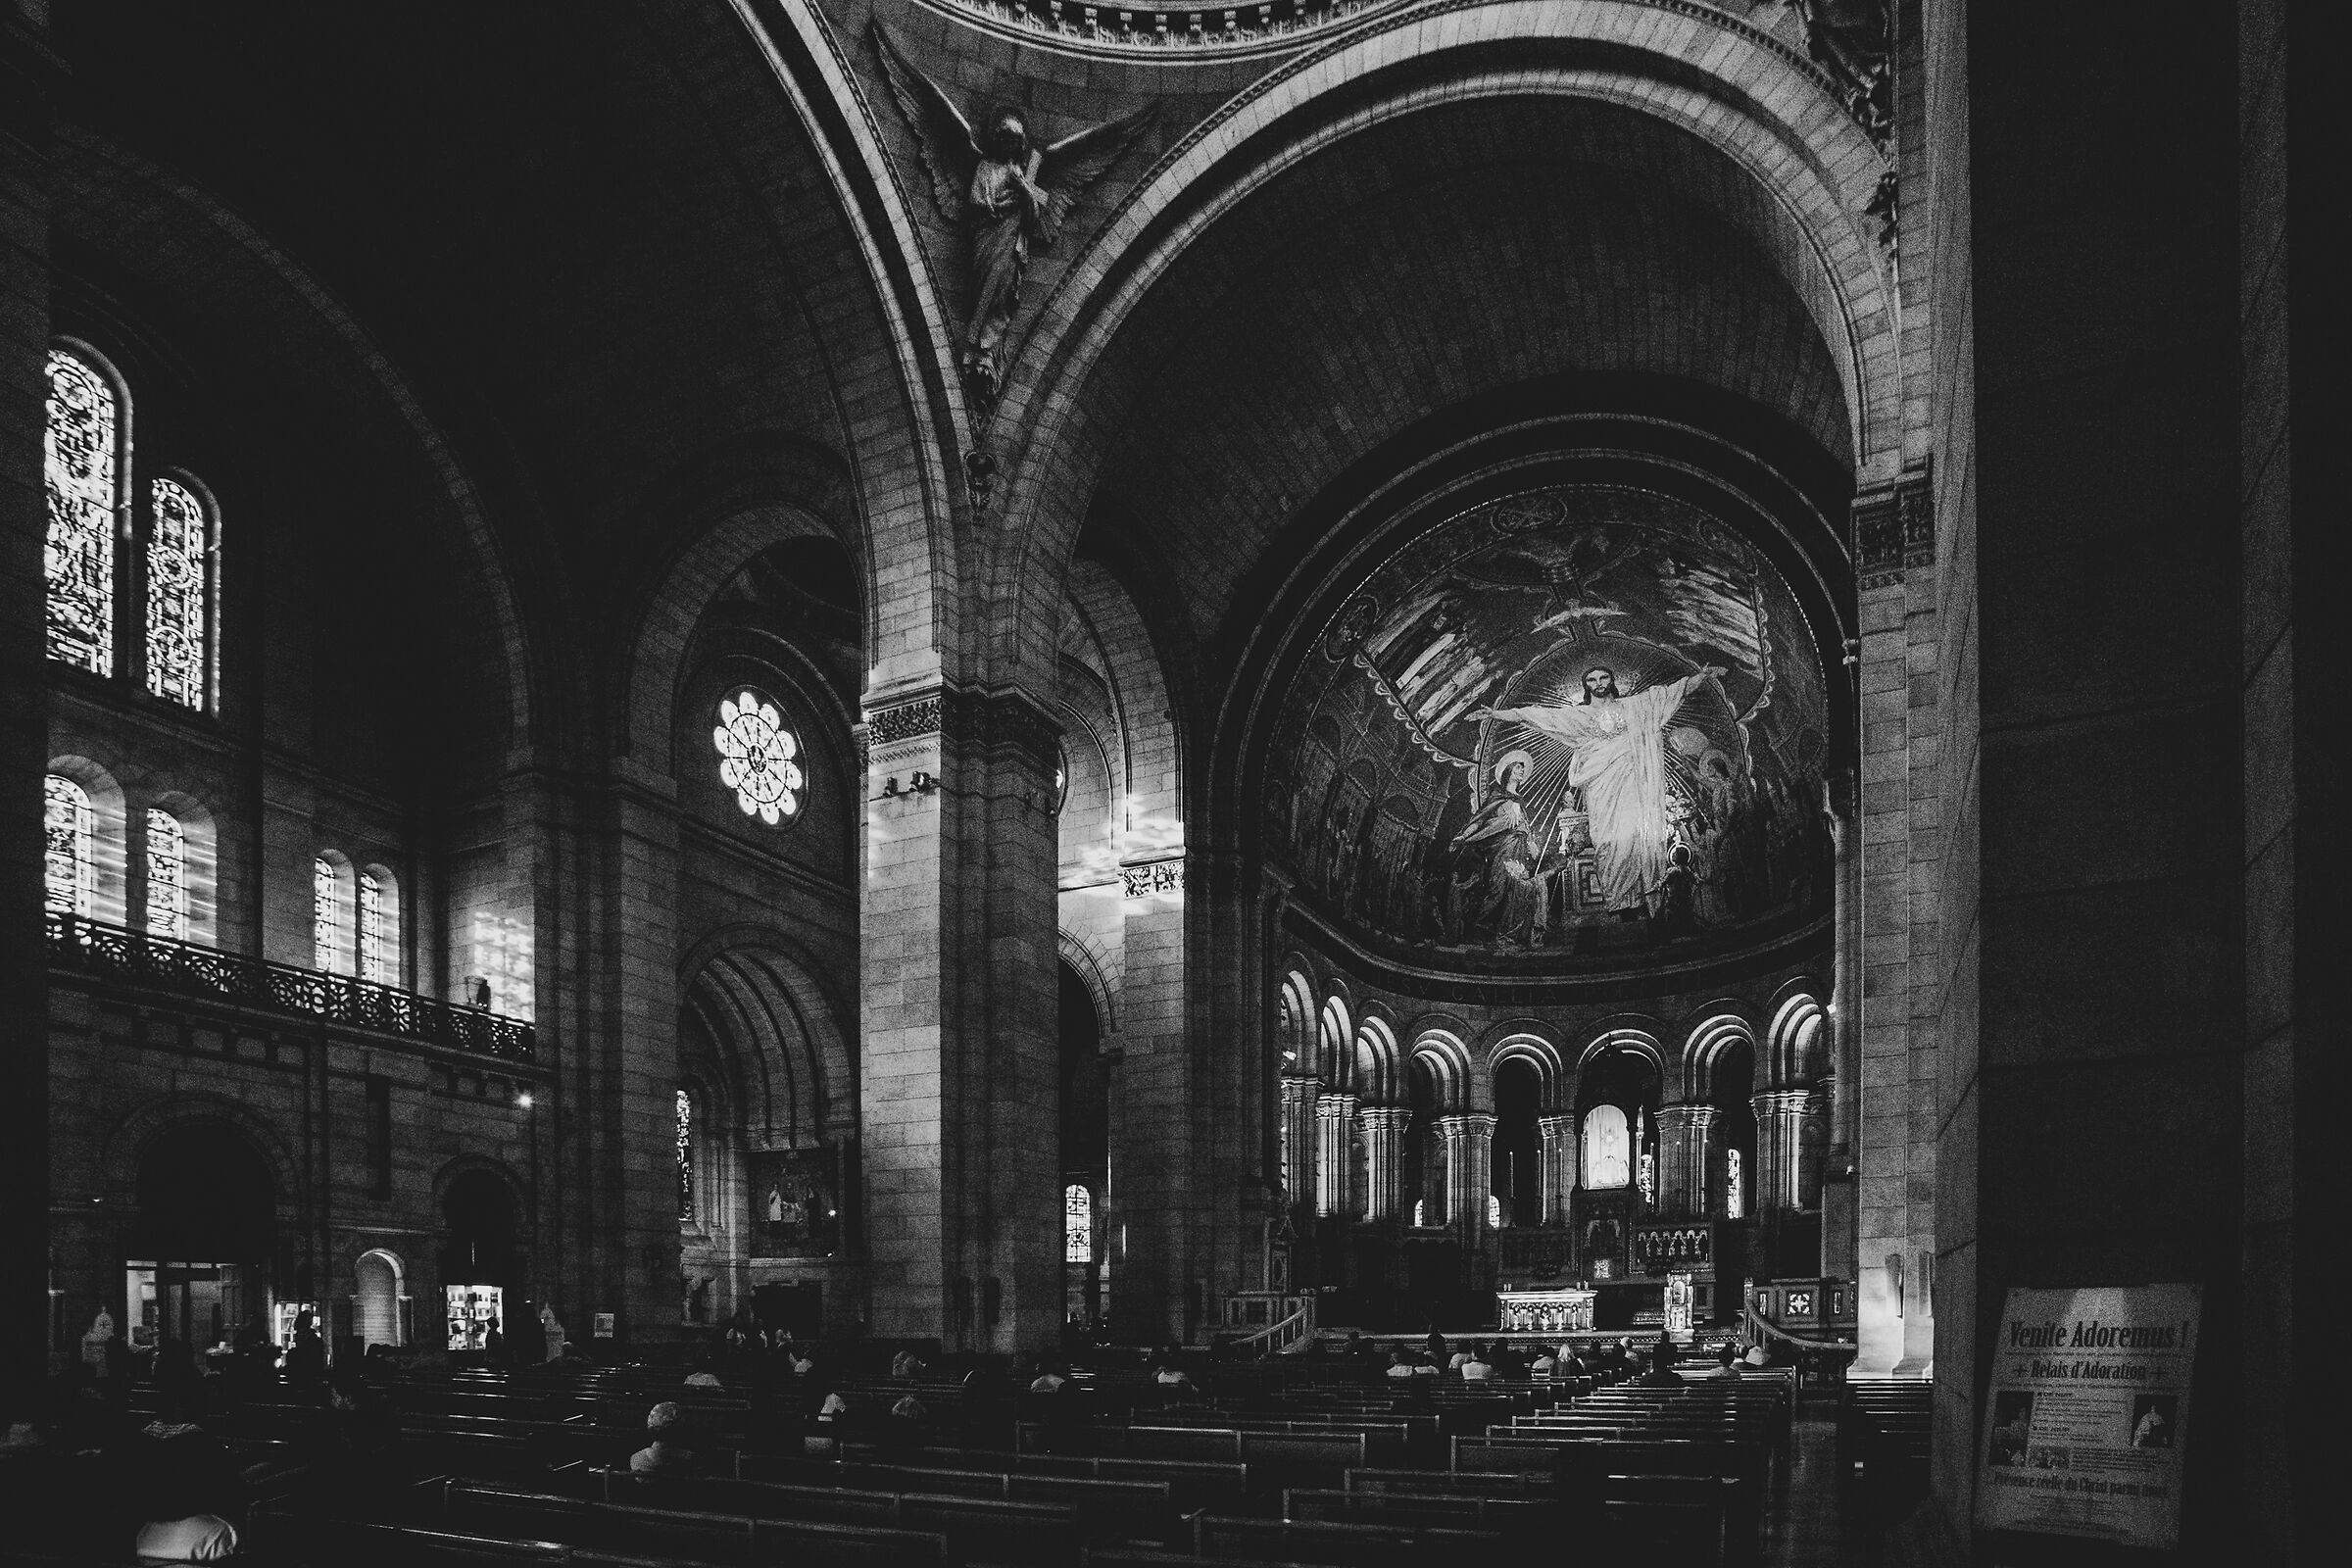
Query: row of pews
[1302, 1466]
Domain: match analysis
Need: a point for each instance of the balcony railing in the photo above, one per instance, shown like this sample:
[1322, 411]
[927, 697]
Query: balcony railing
[96, 948]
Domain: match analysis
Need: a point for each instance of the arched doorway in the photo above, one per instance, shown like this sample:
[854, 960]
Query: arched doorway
[204, 1243]
[380, 1301]
[480, 1268]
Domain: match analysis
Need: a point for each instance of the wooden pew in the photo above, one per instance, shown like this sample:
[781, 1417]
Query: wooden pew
[977, 1529]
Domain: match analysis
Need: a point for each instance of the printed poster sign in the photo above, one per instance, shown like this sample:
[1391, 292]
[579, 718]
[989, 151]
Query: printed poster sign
[2090, 1403]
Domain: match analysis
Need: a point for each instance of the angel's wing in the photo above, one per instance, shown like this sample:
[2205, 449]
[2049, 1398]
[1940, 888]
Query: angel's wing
[943, 138]
[1070, 166]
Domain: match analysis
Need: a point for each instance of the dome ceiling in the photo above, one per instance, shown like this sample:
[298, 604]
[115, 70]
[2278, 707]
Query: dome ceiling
[1580, 728]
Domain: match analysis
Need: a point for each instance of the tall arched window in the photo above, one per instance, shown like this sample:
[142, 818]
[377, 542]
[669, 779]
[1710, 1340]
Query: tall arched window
[81, 465]
[378, 925]
[685, 1153]
[167, 877]
[179, 594]
[1077, 1224]
[70, 851]
[329, 915]
[1735, 1194]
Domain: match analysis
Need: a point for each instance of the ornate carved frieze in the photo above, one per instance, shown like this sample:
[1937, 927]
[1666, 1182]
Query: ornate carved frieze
[965, 721]
[887, 726]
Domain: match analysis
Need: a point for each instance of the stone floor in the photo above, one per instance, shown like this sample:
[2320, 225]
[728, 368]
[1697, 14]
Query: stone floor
[1806, 1522]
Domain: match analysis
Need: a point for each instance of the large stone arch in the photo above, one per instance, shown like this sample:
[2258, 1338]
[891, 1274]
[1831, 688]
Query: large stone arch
[656, 650]
[489, 591]
[903, 405]
[761, 996]
[127, 1140]
[1726, 82]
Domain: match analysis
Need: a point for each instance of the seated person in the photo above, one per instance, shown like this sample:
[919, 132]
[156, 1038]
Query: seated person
[185, 1485]
[905, 1365]
[1048, 1381]
[1401, 1365]
[664, 1424]
[1424, 1368]
[834, 1412]
[1458, 1360]
[704, 1378]
[1476, 1368]
[1170, 1376]
[908, 1426]
[1544, 1365]
[1661, 1373]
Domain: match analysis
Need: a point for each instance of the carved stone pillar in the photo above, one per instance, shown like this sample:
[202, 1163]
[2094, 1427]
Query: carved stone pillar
[1383, 1159]
[1559, 1168]
[1469, 1171]
[1781, 1137]
[1335, 1155]
[1683, 1133]
[1298, 1142]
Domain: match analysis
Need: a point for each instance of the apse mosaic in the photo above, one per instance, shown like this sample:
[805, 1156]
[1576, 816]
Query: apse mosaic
[1579, 721]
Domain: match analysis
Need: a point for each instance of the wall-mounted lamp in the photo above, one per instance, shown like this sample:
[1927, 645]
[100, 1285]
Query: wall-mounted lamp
[917, 783]
[523, 1099]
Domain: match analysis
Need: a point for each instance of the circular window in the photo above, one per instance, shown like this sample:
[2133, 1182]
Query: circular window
[755, 755]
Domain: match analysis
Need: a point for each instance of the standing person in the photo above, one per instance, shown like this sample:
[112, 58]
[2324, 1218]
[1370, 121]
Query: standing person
[1435, 1346]
[305, 1363]
[495, 1350]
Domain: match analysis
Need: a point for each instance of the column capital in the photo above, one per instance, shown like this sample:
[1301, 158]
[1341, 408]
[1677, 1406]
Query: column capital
[1469, 1121]
[1559, 1125]
[1695, 1114]
[1384, 1116]
[1333, 1107]
[1782, 1099]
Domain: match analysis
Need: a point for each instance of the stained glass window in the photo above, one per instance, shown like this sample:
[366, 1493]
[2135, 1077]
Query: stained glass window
[1647, 1180]
[180, 561]
[80, 463]
[1494, 1212]
[167, 877]
[755, 755]
[685, 1155]
[1735, 1199]
[375, 962]
[327, 914]
[1077, 1224]
[69, 829]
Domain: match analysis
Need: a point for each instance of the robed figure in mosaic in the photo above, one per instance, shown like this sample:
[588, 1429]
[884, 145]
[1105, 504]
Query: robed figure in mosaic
[1012, 193]
[1617, 763]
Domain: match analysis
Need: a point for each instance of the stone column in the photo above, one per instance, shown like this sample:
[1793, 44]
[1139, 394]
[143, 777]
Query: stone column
[1383, 1159]
[1558, 1171]
[1683, 1134]
[1298, 1142]
[1781, 1116]
[1335, 1151]
[1152, 1110]
[1469, 1172]
[960, 1045]
[28, 74]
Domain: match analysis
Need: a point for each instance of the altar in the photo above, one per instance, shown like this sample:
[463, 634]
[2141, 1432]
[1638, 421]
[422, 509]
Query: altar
[1544, 1311]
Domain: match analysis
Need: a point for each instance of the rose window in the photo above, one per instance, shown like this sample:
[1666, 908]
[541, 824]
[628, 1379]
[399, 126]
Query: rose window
[755, 755]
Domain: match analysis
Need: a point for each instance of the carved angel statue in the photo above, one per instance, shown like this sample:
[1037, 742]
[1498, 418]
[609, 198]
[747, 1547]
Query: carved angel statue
[1013, 193]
